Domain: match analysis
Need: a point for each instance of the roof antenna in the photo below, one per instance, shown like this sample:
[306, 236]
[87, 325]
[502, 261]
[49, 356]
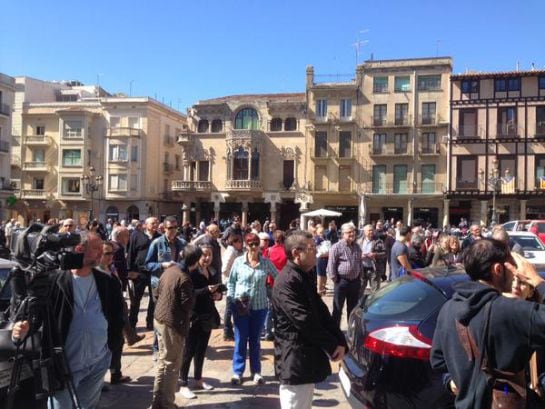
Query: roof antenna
[517, 66]
[533, 67]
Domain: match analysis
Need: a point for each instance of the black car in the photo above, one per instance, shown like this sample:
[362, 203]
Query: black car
[390, 336]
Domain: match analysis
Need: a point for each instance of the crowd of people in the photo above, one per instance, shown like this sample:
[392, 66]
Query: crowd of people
[272, 282]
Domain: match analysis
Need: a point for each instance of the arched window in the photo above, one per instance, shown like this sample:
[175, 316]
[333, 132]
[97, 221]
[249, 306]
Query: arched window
[276, 124]
[133, 213]
[112, 213]
[240, 164]
[247, 118]
[217, 125]
[290, 124]
[203, 126]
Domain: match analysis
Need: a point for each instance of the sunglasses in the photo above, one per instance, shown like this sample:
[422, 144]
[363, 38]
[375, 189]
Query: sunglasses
[253, 244]
[172, 228]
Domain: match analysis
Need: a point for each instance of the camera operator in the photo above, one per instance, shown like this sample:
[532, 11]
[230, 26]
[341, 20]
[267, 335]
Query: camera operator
[86, 315]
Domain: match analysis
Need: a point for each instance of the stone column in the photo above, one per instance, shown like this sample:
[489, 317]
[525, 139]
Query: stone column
[484, 213]
[217, 211]
[273, 199]
[185, 213]
[244, 220]
[410, 212]
[523, 209]
[446, 217]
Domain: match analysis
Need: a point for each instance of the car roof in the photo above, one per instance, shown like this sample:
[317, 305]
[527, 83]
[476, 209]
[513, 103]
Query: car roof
[521, 233]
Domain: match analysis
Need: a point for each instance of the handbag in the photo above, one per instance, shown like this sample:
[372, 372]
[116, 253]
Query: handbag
[242, 306]
[507, 389]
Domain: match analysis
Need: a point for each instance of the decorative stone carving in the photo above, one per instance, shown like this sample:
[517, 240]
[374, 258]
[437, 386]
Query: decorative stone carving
[304, 198]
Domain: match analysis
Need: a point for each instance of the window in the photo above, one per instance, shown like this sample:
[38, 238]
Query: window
[507, 121]
[321, 108]
[247, 118]
[320, 178]
[134, 183]
[38, 184]
[513, 84]
[380, 84]
[540, 120]
[118, 153]
[73, 129]
[468, 123]
[541, 82]
[428, 113]
[428, 178]
[466, 172]
[290, 124]
[429, 82]
[204, 171]
[71, 186]
[118, 183]
[254, 169]
[402, 114]
[288, 174]
[400, 143]
[500, 85]
[71, 157]
[470, 86]
[379, 114]
[540, 171]
[379, 140]
[115, 122]
[345, 174]
[217, 126]
[38, 155]
[177, 162]
[276, 124]
[134, 153]
[428, 142]
[345, 144]
[346, 108]
[379, 179]
[134, 122]
[240, 164]
[40, 130]
[167, 130]
[402, 84]
[320, 144]
[203, 126]
[400, 179]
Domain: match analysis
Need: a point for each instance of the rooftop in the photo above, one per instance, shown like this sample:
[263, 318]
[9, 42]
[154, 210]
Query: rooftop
[497, 74]
[286, 97]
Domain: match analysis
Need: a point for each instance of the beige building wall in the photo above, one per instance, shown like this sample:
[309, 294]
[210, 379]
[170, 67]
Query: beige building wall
[7, 89]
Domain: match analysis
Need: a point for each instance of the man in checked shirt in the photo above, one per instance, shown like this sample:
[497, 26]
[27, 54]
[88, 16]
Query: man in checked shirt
[344, 269]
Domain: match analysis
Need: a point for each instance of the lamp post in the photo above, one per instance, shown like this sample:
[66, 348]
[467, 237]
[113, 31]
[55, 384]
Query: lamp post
[492, 183]
[92, 184]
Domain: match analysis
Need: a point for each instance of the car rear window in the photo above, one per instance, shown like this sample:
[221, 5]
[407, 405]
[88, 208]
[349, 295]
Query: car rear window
[528, 242]
[406, 298]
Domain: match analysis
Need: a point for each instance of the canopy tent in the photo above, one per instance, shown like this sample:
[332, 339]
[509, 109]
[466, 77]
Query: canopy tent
[321, 213]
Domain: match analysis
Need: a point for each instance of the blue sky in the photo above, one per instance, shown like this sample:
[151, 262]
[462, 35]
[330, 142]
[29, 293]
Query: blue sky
[180, 52]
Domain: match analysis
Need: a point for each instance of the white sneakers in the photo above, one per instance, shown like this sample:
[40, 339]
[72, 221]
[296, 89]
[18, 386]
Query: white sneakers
[258, 379]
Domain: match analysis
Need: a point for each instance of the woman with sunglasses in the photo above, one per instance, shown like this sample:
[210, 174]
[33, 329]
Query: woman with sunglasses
[248, 293]
[115, 341]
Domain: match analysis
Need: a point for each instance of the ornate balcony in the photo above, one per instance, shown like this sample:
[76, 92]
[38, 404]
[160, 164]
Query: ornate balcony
[38, 166]
[123, 132]
[36, 140]
[246, 138]
[33, 194]
[191, 186]
[247, 185]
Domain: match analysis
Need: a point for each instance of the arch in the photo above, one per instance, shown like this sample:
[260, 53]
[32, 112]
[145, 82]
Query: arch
[276, 124]
[217, 126]
[112, 212]
[247, 118]
[203, 126]
[290, 124]
[133, 213]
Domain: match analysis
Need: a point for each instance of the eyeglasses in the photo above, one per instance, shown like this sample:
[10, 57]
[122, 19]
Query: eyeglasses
[253, 244]
[108, 253]
[172, 227]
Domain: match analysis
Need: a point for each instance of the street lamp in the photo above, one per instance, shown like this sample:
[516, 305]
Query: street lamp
[492, 183]
[92, 184]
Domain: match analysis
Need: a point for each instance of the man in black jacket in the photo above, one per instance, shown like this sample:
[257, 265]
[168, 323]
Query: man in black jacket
[139, 275]
[306, 337]
[516, 328]
[88, 315]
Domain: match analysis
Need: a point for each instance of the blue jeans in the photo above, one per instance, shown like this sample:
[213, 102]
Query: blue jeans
[154, 285]
[88, 384]
[247, 331]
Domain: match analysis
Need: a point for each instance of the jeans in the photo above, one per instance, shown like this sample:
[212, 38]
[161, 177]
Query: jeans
[269, 320]
[371, 276]
[88, 385]
[345, 290]
[228, 318]
[171, 347]
[247, 331]
[153, 294]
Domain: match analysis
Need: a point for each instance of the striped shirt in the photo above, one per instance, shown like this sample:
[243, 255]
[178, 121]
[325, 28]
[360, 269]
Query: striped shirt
[344, 261]
[245, 280]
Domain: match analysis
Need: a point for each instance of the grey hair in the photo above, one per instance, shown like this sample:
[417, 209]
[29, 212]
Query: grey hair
[117, 231]
[347, 227]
